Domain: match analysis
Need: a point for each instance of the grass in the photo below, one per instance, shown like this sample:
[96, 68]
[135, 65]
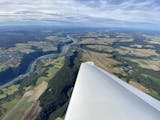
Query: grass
[139, 86]
[50, 74]
[51, 37]
[147, 63]
[20, 107]
[103, 60]
[3, 67]
[154, 94]
[1, 51]
[55, 38]
[98, 40]
[10, 104]
[10, 90]
[155, 41]
[27, 47]
[153, 78]
[126, 40]
[56, 65]
[101, 48]
[137, 52]
[2, 96]
[52, 71]
[19, 110]
[145, 58]
[24, 48]
[16, 108]
[40, 80]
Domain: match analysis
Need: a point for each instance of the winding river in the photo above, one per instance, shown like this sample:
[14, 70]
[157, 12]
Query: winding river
[30, 69]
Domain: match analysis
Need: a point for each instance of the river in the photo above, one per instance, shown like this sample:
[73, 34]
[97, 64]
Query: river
[31, 66]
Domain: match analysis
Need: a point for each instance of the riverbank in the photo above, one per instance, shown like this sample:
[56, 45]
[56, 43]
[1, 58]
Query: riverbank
[30, 64]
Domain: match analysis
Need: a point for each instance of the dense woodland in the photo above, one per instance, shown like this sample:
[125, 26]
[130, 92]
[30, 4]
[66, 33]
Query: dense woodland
[55, 100]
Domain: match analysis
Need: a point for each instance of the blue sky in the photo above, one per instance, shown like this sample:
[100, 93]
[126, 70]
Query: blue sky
[102, 13]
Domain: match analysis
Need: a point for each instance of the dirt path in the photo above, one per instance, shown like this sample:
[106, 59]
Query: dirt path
[36, 92]
[29, 100]
[32, 113]
[13, 109]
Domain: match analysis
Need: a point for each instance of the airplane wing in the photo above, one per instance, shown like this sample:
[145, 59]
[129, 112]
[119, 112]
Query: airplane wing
[99, 95]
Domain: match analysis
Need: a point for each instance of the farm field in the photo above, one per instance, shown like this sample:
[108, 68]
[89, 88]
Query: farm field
[46, 91]
[15, 108]
[127, 56]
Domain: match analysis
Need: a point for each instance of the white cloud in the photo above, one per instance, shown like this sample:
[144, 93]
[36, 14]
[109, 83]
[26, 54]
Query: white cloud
[80, 11]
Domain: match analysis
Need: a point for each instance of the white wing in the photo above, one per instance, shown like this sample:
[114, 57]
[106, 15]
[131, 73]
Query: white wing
[99, 95]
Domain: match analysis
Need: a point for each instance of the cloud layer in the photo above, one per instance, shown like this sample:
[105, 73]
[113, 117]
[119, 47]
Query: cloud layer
[82, 12]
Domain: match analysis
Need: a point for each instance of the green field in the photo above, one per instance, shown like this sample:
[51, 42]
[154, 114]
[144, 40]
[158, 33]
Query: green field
[8, 91]
[128, 57]
[19, 110]
[10, 104]
[16, 106]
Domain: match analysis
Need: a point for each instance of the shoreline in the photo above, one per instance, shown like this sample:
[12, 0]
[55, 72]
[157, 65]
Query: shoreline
[32, 65]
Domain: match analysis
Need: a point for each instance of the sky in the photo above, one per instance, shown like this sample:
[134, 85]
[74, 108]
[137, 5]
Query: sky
[98, 13]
